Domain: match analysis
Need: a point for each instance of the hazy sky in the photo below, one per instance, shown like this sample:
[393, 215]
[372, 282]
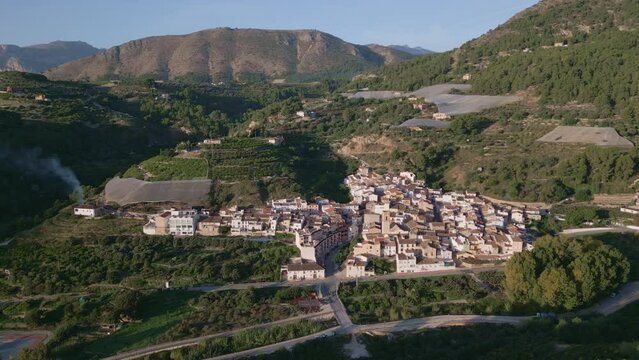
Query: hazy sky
[433, 24]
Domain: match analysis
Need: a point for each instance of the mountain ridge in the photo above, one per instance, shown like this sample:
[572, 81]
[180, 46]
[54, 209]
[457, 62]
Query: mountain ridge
[231, 54]
[40, 57]
[413, 50]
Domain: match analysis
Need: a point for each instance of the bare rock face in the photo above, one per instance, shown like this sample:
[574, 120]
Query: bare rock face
[38, 58]
[224, 54]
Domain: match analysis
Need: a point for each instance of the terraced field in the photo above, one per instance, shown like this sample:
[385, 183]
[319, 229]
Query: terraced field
[66, 226]
[165, 168]
[242, 159]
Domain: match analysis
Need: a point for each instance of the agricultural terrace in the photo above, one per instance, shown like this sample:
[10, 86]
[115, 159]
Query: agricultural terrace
[239, 159]
[165, 168]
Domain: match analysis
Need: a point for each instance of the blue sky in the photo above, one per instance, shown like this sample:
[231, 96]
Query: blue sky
[434, 24]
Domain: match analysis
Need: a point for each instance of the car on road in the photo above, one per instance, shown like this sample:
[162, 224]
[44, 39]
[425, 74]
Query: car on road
[613, 295]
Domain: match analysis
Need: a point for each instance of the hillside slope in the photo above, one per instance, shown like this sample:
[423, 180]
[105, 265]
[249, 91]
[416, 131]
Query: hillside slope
[38, 58]
[560, 50]
[224, 54]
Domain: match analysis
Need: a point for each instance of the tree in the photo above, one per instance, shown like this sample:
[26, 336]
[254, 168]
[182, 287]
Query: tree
[468, 125]
[564, 273]
[554, 190]
[126, 304]
[38, 352]
[577, 216]
[583, 195]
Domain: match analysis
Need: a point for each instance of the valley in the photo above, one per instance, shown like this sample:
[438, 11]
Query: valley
[286, 194]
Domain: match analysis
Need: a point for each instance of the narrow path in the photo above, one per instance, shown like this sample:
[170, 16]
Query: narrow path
[134, 354]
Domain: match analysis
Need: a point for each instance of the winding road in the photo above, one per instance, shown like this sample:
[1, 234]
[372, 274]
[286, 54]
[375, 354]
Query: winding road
[328, 289]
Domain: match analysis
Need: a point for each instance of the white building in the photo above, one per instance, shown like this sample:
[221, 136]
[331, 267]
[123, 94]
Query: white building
[408, 263]
[87, 211]
[183, 222]
[299, 271]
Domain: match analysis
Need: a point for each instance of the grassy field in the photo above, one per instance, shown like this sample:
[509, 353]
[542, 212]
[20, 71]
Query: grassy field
[165, 168]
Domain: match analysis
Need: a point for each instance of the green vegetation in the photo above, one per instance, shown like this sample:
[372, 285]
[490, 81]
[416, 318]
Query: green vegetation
[245, 159]
[302, 165]
[138, 262]
[317, 349]
[627, 245]
[516, 167]
[106, 321]
[410, 75]
[381, 266]
[343, 252]
[163, 168]
[382, 301]
[564, 273]
[93, 142]
[247, 339]
[218, 311]
[172, 315]
[605, 64]
[614, 336]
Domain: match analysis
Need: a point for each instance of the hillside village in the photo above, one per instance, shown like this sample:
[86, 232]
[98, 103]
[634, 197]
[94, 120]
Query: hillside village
[395, 218]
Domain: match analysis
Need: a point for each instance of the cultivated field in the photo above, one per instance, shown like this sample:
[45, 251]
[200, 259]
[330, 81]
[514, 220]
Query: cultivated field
[439, 95]
[600, 136]
[131, 191]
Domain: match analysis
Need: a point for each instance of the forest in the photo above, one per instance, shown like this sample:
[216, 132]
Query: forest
[564, 274]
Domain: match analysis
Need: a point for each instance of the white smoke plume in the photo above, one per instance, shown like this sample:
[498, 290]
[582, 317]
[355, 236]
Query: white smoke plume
[32, 162]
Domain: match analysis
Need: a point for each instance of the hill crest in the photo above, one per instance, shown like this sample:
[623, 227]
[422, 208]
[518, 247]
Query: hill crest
[224, 54]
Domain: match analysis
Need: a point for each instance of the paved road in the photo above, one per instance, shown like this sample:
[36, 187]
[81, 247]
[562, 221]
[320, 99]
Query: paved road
[134, 354]
[440, 321]
[339, 278]
[600, 230]
[628, 294]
